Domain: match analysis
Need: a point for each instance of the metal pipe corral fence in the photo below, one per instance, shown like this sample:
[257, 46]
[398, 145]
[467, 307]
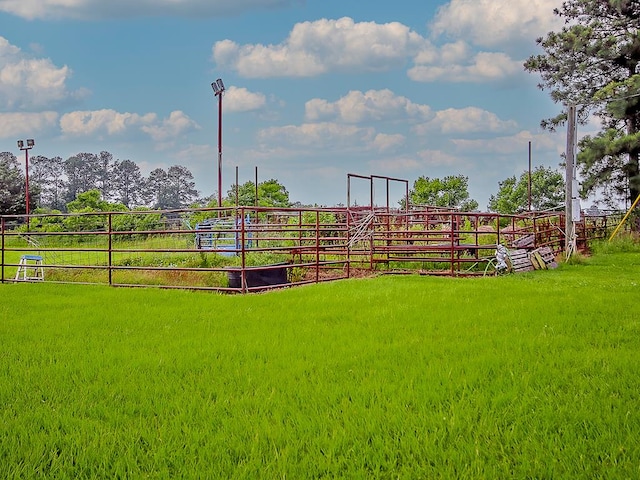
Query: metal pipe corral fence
[246, 249]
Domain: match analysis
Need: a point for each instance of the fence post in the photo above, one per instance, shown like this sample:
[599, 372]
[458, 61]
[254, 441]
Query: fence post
[110, 252]
[2, 227]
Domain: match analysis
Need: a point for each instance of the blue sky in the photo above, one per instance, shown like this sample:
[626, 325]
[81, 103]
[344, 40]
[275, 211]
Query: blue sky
[315, 90]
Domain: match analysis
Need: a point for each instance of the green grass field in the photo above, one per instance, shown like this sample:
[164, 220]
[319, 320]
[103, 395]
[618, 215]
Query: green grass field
[520, 376]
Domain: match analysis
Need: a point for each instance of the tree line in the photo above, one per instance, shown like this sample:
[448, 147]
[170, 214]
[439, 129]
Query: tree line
[55, 185]
[54, 182]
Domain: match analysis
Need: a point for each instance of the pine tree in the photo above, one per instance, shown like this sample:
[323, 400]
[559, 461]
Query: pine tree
[593, 63]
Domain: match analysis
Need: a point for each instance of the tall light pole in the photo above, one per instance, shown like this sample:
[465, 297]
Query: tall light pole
[529, 181]
[218, 90]
[30, 144]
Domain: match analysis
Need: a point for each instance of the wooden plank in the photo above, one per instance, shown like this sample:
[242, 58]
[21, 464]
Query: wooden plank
[520, 261]
[537, 261]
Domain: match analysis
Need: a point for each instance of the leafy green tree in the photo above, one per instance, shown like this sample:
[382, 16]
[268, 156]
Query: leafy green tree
[547, 191]
[593, 63]
[450, 192]
[86, 203]
[90, 201]
[271, 193]
[12, 185]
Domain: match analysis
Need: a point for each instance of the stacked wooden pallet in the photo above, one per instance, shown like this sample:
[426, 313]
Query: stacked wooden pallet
[520, 261]
[538, 259]
[526, 241]
[543, 258]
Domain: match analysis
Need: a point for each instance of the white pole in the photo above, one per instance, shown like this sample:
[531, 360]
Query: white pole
[570, 181]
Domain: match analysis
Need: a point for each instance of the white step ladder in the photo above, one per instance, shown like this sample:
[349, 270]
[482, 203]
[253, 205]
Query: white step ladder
[30, 268]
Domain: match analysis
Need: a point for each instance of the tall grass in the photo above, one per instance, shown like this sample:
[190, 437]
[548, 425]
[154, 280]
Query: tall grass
[521, 376]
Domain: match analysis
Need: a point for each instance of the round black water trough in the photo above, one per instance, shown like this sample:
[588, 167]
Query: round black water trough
[261, 276]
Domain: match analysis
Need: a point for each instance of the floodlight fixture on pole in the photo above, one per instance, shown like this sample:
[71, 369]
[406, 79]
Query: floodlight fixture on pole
[218, 90]
[30, 144]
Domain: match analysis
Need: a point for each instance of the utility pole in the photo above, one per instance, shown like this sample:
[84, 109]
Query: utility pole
[570, 181]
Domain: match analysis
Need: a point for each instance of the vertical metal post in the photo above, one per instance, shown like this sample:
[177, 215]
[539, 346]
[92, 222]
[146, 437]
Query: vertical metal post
[348, 221]
[26, 162]
[569, 177]
[2, 227]
[529, 182]
[387, 195]
[237, 188]
[371, 193]
[243, 275]
[218, 90]
[110, 253]
[317, 246]
[220, 149]
[256, 203]
[452, 246]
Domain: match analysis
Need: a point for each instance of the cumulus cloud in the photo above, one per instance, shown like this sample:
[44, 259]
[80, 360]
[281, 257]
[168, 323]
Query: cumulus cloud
[109, 122]
[96, 9]
[384, 141]
[512, 144]
[317, 135]
[481, 67]
[171, 128]
[15, 124]
[242, 100]
[373, 105]
[32, 83]
[314, 48]
[343, 45]
[493, 23]
[466, 120]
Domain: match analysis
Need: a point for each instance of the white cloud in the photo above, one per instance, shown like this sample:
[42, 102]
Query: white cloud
[322, 135]
[242, 100]
[30, 83]
[109, 122]
[482, 67]
[170, 128]
[398, 165]
[513, 144]
[343, 45]
[314, 48]
[493, 23]
[416, 163]
[373, 105]
[384, 142]
[465, 120]
[102, 122]
[92, 9]
[437, 158]
[25, 124]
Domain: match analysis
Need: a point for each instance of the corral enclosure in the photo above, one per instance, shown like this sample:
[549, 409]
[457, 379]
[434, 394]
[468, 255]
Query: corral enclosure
[244, 249]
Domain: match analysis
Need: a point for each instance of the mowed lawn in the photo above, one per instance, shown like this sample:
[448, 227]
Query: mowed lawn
[521, 376]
